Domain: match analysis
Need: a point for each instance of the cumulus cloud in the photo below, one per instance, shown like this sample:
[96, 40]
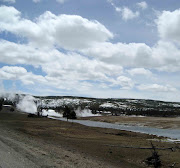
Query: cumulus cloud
[77, 33]
[128, 14]
[156, 88]
[13, 53]
[66, 31]
[124, 82]
[20, 73]
[131, 55]
[59, 1]
[168, 25]
[36, 1]
[139, 71]
[164, 56]
[8, 1]
[89, 60]
[7, 72]
[167, 56]
[143, 5]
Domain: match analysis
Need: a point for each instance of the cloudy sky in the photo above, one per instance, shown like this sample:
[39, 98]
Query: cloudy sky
[104, 48]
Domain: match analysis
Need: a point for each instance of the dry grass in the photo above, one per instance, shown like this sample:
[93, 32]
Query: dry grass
[92, 142]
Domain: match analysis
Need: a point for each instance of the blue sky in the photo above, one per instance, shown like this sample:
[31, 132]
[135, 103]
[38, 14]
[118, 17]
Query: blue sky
[104, 48]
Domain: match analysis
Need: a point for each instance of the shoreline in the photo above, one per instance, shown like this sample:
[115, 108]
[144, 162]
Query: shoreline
[61, 144]
[173, 134]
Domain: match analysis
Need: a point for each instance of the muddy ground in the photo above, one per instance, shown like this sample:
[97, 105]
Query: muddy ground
[42, 142]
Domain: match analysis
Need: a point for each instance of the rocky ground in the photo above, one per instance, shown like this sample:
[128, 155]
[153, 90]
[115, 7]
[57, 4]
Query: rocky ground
[42, 142]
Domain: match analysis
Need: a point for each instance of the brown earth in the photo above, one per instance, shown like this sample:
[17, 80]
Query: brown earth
[42, 142]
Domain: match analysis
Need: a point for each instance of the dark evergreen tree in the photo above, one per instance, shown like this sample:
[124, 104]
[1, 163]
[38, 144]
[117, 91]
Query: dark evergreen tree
[68, 113]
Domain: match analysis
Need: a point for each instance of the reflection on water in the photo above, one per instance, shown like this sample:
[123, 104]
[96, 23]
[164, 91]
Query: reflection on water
[170, 133]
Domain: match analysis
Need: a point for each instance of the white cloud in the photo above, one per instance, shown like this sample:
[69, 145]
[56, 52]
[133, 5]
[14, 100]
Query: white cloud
[167, 56]
[130, 55]
[156, 88]
[128, 14]
[8, 1]
[59, 1]
[66, 31]
[68, 69]
[12, 53]
[143, 5]
[36, 1]
[124, 82]
[55, 63]
[20, 73]
[163, 56]
[139, 71]
[117, 9]
[7, 72]
[98, 64]
[168, 25]
[75, 67]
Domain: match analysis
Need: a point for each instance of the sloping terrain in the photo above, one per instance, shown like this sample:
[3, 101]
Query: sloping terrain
[102, 106]
[115, 106]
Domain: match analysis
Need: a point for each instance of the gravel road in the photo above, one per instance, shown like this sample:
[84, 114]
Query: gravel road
[11, 158]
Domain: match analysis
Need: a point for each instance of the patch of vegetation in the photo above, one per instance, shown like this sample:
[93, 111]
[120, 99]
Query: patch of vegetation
[154, 160]
[68, 113]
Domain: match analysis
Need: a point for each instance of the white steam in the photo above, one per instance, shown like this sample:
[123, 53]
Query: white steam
[8, 96]
[85, 113]
[51, 113]
[27, 104]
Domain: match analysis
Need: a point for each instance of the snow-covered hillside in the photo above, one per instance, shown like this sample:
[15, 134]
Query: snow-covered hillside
[115, 106]
[102, 106]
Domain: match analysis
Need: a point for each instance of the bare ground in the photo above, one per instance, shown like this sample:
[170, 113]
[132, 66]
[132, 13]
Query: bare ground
[41, 142]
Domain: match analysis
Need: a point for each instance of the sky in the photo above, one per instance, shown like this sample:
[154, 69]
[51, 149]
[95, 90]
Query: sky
[102, 49]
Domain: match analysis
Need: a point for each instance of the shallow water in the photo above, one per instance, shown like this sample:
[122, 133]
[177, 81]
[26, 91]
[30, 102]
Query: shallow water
[170, 133]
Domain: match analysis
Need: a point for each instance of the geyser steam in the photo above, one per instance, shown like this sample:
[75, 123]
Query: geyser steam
[27, 104]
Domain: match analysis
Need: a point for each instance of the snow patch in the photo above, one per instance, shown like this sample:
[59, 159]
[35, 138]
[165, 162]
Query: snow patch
[105, 105]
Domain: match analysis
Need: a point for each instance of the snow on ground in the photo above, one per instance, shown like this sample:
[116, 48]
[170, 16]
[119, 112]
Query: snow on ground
[7, 105]
[61, 102]
[105, 105]
[122, 105]
[176, 105]
[133, 101]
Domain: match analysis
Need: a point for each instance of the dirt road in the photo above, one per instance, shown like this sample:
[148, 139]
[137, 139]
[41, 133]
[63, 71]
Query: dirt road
[11, 158]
